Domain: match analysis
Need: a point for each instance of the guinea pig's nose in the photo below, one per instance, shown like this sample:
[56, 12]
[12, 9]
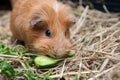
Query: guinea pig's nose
[61, 54]
[57, 55]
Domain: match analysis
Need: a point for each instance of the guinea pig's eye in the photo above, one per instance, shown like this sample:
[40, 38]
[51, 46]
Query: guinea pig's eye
[48, 33]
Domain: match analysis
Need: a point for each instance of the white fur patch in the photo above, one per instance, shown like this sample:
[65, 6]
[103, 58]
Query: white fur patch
[56, 7]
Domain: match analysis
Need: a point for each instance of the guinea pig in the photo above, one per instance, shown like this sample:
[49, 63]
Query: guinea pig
[43, 25]
[12, 2]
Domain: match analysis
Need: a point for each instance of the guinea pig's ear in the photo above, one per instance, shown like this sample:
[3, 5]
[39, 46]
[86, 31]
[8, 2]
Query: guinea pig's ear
[35, 21]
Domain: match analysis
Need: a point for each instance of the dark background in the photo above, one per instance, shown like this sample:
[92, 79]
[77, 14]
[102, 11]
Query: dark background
[5, 5]
[112, 5]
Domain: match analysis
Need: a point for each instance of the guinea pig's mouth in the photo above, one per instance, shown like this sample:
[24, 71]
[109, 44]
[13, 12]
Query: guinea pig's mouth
[58, 57]
[46, 53]
[38, 52]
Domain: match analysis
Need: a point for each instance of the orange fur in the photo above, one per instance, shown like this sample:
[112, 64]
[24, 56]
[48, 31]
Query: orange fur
[55, 16]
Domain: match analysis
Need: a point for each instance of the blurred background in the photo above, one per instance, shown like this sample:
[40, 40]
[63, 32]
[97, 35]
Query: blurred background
[97, 39]
[111, 5]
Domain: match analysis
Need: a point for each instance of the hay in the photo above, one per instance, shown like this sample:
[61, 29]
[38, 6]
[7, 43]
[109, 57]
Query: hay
[96, 37]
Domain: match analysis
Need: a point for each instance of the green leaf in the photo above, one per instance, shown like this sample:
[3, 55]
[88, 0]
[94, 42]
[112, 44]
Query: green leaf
[17, 50]
[7, 69]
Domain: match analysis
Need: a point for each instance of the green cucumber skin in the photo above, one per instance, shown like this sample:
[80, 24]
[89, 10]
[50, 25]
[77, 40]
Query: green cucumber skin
[45, 62]
[72, 53]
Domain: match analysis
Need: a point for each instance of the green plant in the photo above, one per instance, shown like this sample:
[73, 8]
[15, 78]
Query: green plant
[8, 69]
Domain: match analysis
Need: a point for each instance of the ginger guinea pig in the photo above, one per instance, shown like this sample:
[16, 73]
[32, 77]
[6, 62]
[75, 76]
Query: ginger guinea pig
[43, 25]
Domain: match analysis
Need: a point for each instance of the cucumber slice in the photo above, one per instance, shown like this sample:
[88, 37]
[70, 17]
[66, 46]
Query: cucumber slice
[45, 61]
[72, 53]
